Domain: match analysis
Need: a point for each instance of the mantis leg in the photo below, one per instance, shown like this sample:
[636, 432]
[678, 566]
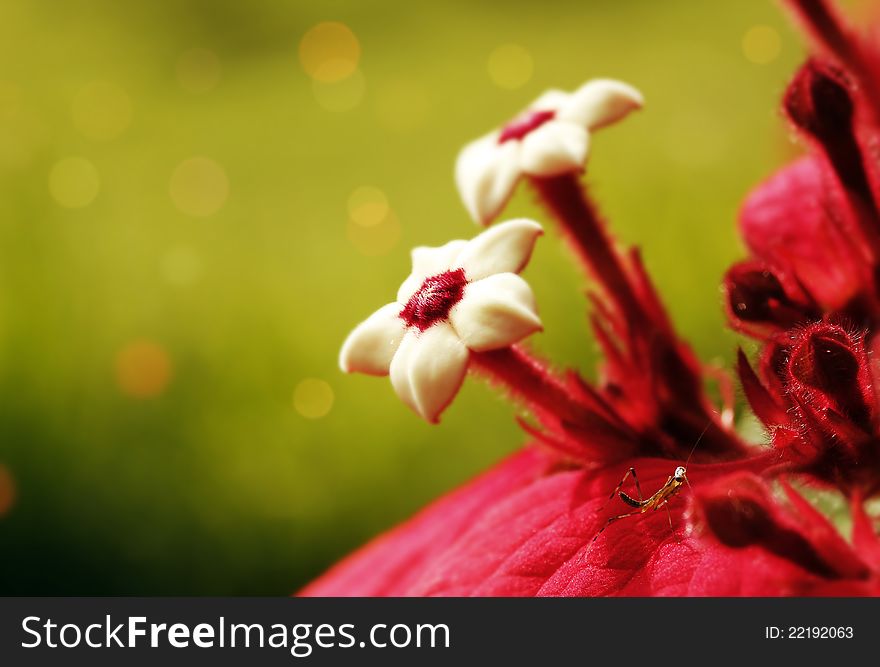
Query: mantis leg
[612, 520]
[631, 471]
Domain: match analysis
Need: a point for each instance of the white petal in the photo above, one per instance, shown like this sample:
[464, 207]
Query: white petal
[426, 262]
[550, 100]
[504, 248]
[428, 369]
[495, 312]
[486, 173]
[556, 147]
[372, 344]
[601, 102]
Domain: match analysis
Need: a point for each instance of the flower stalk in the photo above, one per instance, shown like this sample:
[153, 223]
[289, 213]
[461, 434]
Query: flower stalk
[565, 199]
[528, 380]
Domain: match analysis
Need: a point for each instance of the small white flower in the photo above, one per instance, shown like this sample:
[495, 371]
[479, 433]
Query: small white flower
[549, 138]
[465, 295]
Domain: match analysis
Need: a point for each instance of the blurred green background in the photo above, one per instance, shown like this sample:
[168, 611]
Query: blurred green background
[199, 199]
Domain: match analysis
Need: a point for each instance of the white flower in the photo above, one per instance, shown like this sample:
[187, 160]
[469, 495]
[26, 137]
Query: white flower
[465, 295]
[550, 138]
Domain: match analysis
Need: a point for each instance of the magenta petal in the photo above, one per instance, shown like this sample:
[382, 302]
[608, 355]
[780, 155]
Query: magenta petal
[793, 222]
[526, 528]
[390, 564]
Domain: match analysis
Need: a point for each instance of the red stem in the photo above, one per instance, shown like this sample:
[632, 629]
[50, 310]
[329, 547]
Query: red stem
[528, 380]
[565, 199]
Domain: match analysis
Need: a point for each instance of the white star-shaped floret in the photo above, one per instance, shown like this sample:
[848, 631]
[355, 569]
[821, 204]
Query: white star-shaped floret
[551, 137]
[465, 295]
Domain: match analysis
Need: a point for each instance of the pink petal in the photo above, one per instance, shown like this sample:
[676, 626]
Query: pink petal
[526, 528]
[793, 221]
[392, 562]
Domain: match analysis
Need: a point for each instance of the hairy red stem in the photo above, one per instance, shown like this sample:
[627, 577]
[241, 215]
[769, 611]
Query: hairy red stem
[565, 199]
[527, 379]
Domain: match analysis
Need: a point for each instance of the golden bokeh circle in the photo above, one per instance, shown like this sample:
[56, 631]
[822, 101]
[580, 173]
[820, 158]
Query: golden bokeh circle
[143, 369]
[761, 44]
[329, 52]
[313, 398]
[510, 66]
[367, 206]
[74, 182]
[199, 187]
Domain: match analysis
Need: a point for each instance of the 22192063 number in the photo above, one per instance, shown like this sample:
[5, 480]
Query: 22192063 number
[815, 632]
[808, 632]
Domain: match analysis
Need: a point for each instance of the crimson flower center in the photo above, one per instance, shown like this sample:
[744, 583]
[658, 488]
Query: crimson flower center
[523, 124]
[432, 301]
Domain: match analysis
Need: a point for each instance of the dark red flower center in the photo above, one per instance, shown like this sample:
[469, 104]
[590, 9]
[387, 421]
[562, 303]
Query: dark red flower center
[432, 302]
[523, 124]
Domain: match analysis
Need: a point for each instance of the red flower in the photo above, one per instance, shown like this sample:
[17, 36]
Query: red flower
[541, 522]
[814, 229]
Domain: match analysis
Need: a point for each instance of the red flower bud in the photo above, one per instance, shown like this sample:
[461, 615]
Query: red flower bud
[828, 370]
[757, 302]
[818, 102]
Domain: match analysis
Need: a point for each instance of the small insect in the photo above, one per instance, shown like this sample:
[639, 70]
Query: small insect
[660, 498]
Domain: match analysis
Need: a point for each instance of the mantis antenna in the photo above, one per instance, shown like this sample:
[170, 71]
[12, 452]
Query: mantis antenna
[692, 453]
[697, 443]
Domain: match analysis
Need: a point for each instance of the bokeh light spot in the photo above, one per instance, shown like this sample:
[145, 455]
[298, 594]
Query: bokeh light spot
[402, 106]
[199, 186]
[375, 240]
[338, 96]
[313, 398]
[74, 182]
[181, 266]
[329, 52]
[761, 44]
[143, 369]
[198, 70]
[7, 490]
[101, 111]
[510, 66]
[367, 206]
